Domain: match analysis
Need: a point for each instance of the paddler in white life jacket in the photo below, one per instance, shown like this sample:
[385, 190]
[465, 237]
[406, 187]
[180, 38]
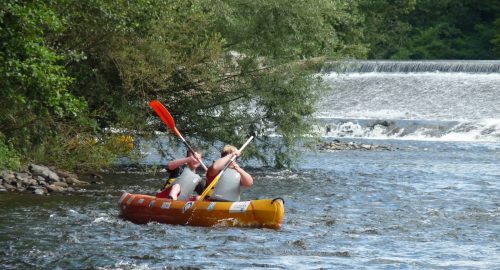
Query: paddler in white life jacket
[183, 180]
[234, 177]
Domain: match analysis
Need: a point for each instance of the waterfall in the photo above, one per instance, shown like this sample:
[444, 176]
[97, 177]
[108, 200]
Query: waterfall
[409, 100]
[479, 66]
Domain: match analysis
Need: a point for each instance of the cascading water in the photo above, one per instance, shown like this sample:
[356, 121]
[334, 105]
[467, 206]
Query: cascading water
[424, 100]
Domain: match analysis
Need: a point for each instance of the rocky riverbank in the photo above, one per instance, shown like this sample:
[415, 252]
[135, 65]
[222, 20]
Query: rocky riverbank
[337, 145]
[40, 180]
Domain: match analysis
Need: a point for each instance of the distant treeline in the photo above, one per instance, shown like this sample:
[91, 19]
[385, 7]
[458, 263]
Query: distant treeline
[432, 29]
[76, 76]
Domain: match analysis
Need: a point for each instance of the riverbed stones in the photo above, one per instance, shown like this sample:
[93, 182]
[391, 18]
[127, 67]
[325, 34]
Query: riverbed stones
[337, 145]
[40, 180]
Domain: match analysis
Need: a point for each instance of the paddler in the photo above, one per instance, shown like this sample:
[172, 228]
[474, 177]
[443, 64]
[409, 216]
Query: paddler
[229, 186]
[183, 180]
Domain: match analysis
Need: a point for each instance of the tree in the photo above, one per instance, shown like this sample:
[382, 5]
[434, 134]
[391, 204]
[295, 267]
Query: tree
[33, 85]
[225, 69]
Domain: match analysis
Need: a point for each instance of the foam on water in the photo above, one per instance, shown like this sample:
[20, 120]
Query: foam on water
[450, 106]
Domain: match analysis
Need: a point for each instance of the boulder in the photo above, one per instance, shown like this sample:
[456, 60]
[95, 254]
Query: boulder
[60, 184]
[22, 176]
[55, 188]
[39, 170]
[9, 187]
[7, 176]
[40, 191]
[53, 177]
[65, 174]
[39, 178]
[76, 182]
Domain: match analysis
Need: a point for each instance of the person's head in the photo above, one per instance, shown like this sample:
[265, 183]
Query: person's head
[194, 164]
[228, 149]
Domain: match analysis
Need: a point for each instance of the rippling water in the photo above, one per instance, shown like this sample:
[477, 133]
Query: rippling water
[424, 205]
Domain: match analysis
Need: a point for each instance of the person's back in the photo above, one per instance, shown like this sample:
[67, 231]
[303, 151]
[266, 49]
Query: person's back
[228, 188]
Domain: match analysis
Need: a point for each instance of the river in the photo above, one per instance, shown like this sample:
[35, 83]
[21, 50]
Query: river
[432, 202]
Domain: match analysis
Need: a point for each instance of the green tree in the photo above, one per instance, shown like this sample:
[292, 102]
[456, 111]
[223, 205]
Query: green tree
[33, 85]
[225, 69]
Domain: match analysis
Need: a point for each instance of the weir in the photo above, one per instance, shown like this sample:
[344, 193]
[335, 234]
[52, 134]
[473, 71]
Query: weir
[423, 100]
[479, 66]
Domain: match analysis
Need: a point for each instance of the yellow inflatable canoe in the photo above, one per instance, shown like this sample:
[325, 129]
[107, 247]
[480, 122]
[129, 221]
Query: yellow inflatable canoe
[142, 209]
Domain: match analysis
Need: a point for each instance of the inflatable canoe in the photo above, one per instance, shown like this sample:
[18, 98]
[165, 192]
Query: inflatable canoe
[142, 209]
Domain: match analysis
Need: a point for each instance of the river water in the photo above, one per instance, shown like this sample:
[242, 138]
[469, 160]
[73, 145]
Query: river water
[433, 202]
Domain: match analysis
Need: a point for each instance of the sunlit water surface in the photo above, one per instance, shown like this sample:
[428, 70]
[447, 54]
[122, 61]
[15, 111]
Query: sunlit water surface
[424, 205]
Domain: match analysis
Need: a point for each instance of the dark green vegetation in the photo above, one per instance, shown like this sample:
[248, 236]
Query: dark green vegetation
[72, 71]
[433, 29]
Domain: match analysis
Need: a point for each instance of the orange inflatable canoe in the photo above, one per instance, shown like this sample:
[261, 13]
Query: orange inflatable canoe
[141, 209]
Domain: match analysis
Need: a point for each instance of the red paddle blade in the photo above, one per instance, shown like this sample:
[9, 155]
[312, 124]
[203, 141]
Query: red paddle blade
[164, 115]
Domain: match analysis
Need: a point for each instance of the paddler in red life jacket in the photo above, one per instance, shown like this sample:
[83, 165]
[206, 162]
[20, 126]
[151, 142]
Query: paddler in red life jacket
[229, 186]
[183, 180]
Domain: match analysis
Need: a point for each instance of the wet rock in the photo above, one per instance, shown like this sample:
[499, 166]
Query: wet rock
[66, 174]
[97, 182]
[76, 182]
[96, 176]
[9, 187]
[21, 189]
[337, 145]
[39, 178]
[60, 184]
[2, 189]
[54, 188]
[40, 191]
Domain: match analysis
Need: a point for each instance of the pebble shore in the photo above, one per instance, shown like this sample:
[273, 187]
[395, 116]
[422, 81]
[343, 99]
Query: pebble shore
[40, 180]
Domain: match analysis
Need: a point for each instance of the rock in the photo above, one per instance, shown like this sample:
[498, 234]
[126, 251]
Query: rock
[54, 188]
[96, 176]
[43, 183]
[40, 191]
[7, 176]
[39, 178]
[53, 177]
[65, 174]
[60, 184]
[33, 182]
[74, 181]
[9, 187]
[22, 176]
[97, 182]
[21, 189]
[2, 189]
[337, 145]
[39, 170]
[34, 187]
[19, 184]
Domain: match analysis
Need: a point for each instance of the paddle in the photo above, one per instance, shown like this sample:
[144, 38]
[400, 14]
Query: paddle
[216, 179]
[167, 118]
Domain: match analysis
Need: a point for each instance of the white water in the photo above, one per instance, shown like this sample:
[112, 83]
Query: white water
[452, 106]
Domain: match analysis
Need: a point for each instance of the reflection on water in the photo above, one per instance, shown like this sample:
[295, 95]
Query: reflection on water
[426, 205]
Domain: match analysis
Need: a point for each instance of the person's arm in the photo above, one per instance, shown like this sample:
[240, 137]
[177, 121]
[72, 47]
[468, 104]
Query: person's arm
[174, 164]
[246, 179]
[219, 164]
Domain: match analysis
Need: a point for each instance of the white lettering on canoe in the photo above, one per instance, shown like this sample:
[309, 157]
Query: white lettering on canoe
[187, 206]
[239, 207]
[165, 205]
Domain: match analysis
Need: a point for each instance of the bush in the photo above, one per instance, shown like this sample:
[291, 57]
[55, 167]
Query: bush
[9, 159]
